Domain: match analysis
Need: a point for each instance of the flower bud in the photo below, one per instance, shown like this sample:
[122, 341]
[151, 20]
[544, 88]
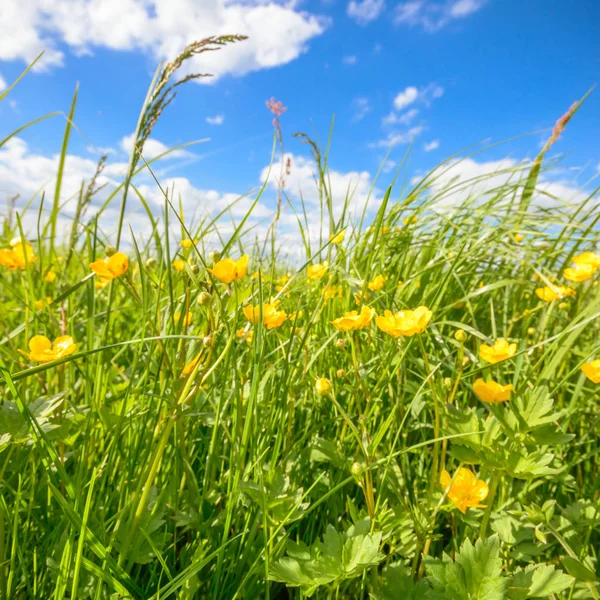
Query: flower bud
[195, 269]
[448, 382]
[341, 373]
[323, 386]
[531, 331]
[214, 256]
[340, 343]
[204, 298]
[110, 251]
[208, 340]
[563, 305]
[460, 335]
[151, 263]
[356, 469]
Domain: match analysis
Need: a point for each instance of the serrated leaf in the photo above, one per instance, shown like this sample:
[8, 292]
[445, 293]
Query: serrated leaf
[538, 581]
[397, 584]
[578, 569]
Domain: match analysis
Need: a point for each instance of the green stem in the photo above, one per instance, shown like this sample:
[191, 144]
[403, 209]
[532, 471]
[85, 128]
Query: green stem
[490, 502]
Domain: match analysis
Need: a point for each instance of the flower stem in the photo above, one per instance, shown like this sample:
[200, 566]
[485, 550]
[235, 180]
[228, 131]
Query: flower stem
[488, 509]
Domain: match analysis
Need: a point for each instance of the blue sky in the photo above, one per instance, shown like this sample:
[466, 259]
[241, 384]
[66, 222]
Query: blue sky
[446, 74]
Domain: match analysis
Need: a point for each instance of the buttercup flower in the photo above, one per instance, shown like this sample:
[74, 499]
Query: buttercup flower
[331, 291]
[338, 238]
[377, 283]
[407, 221]
[50, 276]
[548, 294]
[187, 243]
[187, 319]
[179, 264]
[518, 237]
[361, 297]
[404, 322]
[579, 273]
[352, 321]
[592, 370]
[228, 270]
[317, 270]
[42, 302]
[467, 491]
[17, 258]
[41, 349]
[491, 391]
[281, 281]
[244, 334]
[588, 258]
[323, 386]
[112, 267]
[271, 316]
[501, 350]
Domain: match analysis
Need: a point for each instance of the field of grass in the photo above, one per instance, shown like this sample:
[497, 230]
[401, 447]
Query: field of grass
[208, 427]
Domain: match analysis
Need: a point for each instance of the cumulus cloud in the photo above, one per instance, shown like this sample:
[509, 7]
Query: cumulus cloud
[3, 85]
[365, 11]
[395, 138]
[433, 16]
[152, 148]
[433, 145]
[350, 60]
[278, 33]
[362, 106]
[216, 120]
[406, 97]
[403, 119]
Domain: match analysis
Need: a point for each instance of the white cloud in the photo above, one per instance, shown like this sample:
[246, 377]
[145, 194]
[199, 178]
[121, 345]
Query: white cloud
[3, 85]
[278, 33]
[403, 119]
[216, 120]
[395, 138]
[406, 97]
[362, 106]
[365, 11]
[388, 165]
[433, 16]
[349, 60]
[152, 148]
[433, 145]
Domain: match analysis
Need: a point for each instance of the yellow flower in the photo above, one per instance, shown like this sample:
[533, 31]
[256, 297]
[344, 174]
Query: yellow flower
[190, 366]
[491, 391]
[592, 370]
[255, 275]
[112, 267]
[41, 349]
[579, 273]
[228, 270]
[323, 386]
[187, 319]
[50, 276]
[331, 291]
[281, 281]
[39, 304]
[588, 258]
[101, 283]
[317, 270]
[501, 350]
[353, 321]
[466, 491]
[179, 264]
[186, 243]
[377, 283]
[408, 220]
[548, 294]
[518, 238]
[338, 238]
[16, 257]
[404, 322]
[271, 316]
[295, 315]
[244, 334]
[361, 297]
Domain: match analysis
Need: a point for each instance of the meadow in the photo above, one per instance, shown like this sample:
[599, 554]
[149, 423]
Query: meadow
[409, 409]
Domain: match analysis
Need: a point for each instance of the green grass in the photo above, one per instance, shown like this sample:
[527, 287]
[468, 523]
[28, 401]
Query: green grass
[122, 478]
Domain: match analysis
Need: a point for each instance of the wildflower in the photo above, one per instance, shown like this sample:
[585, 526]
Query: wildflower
[501, 350]
[580, 272]
[323, 386]
[338, 238]
[185, 321]
[548, 294]
[187, 243]
[50, 276]
[295, 315]
[111, 267]
[276, 108]
[460, 335]
[407, 221]
[404, 322]
[190, 366]
[271, 316]
[466, 491]
[18, 257]
[560, 125]
[331, 291]
[352, 321]
[244, 334]
[592, 370]
[518, 238]
[317, 270]
[40, 304]
[377, 283]
[491, 391]
[41, 349]
[588, 258]
[228, 270]
[281, 282]
[383, 229]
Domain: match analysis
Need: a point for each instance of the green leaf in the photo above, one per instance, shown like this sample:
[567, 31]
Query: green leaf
[578, 569]
[475, 575]
[397, 584]
[538, 581]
